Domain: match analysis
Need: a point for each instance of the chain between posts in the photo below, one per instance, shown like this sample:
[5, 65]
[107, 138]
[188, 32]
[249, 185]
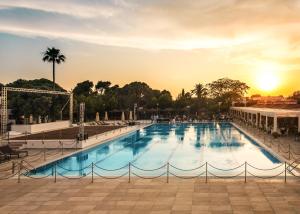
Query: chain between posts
[129, 172]
[21, 166]
[284, 172]
[205, 172]
[168, 172]
[93, 172]
[245, 171]
[55, 173]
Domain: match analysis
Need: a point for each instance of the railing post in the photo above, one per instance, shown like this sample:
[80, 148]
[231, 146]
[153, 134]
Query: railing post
[19, 173]
[26, 137]
[129, 172]
[205, 172]
[55, 173]
[289, 151]
[285, 172]
[13, 168]
[168, 172]
[44, 151]
[92, 172]
[62, 147]
[245, 171]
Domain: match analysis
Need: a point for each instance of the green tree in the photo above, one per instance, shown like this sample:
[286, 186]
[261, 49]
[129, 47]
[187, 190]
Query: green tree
[200, 91]
[296, 96]
[165, 99]
[53, 56]
[183, 100]
[226, 91]
[84, 88]
[135, 92]
[102, 86]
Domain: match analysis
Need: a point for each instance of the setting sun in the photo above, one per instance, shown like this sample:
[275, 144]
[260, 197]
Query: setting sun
[268, 77]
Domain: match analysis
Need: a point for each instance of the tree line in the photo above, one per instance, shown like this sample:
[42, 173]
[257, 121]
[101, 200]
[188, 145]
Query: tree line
[202, 102]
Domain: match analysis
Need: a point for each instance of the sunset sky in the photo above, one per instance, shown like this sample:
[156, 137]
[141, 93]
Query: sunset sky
[169, 44]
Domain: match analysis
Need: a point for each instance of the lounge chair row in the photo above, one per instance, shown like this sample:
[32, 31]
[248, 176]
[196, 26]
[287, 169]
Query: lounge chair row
[6, 153]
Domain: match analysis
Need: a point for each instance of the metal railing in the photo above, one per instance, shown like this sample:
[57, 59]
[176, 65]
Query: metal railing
[206, 171]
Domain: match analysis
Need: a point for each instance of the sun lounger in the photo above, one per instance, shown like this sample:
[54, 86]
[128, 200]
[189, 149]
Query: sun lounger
[3, 157]
[7, 150]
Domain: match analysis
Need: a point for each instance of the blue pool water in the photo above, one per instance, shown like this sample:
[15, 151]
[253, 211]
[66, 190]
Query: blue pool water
[183, 146]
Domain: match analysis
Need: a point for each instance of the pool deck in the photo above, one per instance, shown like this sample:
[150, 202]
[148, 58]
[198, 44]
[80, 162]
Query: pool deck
[150, 196]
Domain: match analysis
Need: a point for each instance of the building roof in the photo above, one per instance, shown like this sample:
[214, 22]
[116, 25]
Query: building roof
[270, 111]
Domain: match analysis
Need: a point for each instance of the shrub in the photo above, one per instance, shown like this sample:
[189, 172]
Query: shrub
[275, 135]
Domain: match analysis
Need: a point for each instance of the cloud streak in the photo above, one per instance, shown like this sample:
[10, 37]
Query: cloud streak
[84, 9]
[234, 25]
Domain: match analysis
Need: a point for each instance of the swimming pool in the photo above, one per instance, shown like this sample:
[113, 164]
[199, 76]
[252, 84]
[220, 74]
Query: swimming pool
[181, 146]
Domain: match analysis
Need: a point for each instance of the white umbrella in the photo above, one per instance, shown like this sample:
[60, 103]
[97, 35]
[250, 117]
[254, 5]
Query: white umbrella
[97, 117]
[106, 116]
[130, 115]
[123, 116]
[30, 119]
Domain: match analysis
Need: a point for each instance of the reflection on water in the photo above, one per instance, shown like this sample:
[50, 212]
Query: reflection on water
[137, 146]
[183, 145]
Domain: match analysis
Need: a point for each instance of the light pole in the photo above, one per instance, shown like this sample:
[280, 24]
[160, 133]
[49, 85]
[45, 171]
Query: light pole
[134, 111]
[219, 103]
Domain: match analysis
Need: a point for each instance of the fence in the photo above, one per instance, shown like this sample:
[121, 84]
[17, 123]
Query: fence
[205, 171]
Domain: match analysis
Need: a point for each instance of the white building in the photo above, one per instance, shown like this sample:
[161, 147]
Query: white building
[265, 117]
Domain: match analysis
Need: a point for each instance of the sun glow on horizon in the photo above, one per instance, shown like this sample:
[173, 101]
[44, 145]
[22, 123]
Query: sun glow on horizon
[268, 77]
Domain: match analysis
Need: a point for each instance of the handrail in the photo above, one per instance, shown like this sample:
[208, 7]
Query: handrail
[154, 177]
[149, 170]
[187, 177]
[276, 167]
[111, 169]
[226, 177]
[27, 172]
[73, 178]
[116, 177]
[266, 177]
[73, 170]
[199, 167]
[227, 169]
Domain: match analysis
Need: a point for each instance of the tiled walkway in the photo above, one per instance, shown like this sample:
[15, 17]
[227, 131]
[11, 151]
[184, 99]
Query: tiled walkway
[148, 196]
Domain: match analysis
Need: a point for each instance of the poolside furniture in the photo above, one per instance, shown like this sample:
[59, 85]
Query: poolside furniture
[3, 157]
[7, 150]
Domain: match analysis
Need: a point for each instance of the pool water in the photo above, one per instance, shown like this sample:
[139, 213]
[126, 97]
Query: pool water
[183, 146]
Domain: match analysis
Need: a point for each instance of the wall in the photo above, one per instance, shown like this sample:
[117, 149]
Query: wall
[34, 128]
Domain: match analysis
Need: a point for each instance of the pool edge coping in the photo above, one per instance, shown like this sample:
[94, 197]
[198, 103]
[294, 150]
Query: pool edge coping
[91, 146]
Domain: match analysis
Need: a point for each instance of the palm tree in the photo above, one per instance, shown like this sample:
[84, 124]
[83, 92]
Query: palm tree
[200, 91]
[53, 55]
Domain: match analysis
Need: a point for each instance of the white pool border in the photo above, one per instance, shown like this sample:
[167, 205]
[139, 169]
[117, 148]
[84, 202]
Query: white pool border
[101, 142]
